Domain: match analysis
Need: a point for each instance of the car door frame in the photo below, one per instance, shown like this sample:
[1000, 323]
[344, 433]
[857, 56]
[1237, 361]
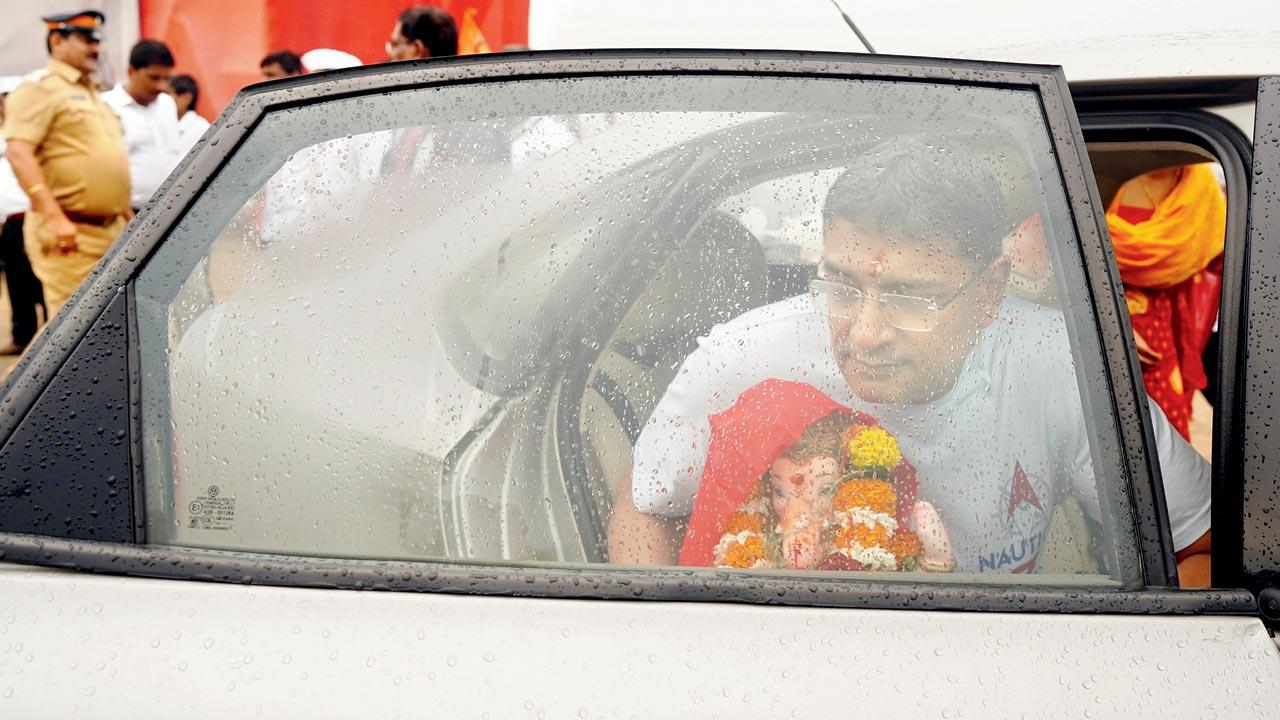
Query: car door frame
[1143, 116]
[1244, 476]
[1254, 544]
[112, 278]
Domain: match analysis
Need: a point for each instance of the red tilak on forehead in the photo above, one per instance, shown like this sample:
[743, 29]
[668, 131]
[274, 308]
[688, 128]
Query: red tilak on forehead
[877, 264]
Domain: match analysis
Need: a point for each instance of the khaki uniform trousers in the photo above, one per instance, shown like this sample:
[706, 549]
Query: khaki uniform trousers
[61, 273]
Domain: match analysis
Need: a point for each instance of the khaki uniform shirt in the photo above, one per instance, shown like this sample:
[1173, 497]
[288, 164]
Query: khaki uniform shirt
[79, 144]
[78, 138]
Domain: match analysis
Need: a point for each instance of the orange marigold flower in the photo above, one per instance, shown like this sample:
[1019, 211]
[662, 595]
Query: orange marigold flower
[875, 495]
[740, 521]
[858, 534]
[747, 553]
[904, 544]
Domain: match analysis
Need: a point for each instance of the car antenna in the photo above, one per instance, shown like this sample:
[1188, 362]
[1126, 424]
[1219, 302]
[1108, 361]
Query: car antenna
[849, 21]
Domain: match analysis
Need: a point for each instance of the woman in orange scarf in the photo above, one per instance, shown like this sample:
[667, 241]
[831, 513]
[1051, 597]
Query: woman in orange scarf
[1167, 228]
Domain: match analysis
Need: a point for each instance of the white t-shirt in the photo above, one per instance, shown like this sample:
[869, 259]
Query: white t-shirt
[995, 455]
[151, 135]
[190, 127]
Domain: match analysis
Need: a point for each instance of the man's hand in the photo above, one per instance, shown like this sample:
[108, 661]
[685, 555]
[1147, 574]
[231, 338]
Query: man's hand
[26, 168]
[1193, 563]
[64, 233]
[1147, 355]
[637, 538]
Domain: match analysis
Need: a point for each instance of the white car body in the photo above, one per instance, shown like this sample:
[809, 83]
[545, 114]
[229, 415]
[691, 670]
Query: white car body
[109, 647]
[1093, 40]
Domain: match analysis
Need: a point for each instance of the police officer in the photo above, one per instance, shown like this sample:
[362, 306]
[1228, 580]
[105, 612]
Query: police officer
[66, 147]
[25, 295]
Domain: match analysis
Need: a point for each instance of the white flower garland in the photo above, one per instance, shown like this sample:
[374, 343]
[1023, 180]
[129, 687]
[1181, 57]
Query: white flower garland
[868, 517]
[873, 558]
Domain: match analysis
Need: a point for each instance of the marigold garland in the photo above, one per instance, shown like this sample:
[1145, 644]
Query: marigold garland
[745, 550]
[904, 544]
[860, 535]
[746, 521]
[861, 530]
[876, 495]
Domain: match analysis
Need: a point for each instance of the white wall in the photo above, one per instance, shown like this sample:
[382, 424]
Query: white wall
[22, 34]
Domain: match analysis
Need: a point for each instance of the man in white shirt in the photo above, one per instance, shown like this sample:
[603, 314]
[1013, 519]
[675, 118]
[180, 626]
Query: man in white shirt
[150, 118]
[908, 322]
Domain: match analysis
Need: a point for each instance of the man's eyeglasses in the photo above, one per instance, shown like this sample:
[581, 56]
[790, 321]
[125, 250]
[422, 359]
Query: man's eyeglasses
[904, 312]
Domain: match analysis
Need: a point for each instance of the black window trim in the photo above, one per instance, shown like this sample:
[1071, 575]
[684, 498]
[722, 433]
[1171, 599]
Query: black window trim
[606, 583]
[113, 275]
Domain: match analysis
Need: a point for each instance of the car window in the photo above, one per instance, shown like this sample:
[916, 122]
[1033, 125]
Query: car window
[768, 316]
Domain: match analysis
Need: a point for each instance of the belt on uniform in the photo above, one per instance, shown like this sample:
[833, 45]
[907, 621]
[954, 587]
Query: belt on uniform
[99, 220]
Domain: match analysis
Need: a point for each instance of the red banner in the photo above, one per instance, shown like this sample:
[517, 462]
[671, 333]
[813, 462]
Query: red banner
[222, 49]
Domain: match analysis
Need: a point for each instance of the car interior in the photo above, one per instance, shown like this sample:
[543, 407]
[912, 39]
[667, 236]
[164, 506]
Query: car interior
[496, 324]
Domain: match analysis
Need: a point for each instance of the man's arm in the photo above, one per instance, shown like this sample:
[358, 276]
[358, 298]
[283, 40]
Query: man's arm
[1193, 563]
[783, 341]
[637, 538]
[1186, 489]
[22, 158]
[1187, 499]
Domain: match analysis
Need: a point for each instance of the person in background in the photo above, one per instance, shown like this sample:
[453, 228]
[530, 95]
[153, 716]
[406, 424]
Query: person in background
[186, 93]
[24, 288]
[422, 32]
[280, 64]
[1167, 228]
[282, 212]
[150, 118]
[66, 147]
[312, 170]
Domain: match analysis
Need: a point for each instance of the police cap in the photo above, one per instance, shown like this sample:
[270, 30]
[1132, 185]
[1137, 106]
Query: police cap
[87, 22]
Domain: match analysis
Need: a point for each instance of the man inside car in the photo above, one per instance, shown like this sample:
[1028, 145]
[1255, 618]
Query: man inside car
[908, 321]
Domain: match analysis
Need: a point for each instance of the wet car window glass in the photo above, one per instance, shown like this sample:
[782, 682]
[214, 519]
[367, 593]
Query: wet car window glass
[757, 323]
